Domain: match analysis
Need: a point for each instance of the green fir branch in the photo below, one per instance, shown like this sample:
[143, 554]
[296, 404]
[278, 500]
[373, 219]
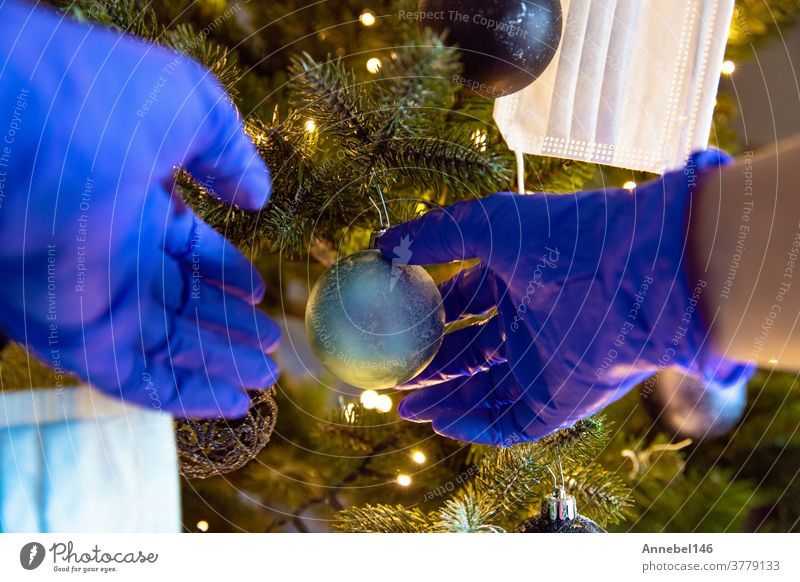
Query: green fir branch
[450, 160]
[130, 16]
[383, 519]
[469, 512]
[581, 442]
[329, 94]
[602, 495]
[415, 87]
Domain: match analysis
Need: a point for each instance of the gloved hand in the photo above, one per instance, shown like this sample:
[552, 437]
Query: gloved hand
[104, 273]
[593, 295]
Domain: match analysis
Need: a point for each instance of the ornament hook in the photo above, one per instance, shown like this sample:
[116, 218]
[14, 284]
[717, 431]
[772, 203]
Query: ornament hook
[383, 202]
[383, 217]
[376, 234]
[380, 214]
[553, 475]
[561, 468]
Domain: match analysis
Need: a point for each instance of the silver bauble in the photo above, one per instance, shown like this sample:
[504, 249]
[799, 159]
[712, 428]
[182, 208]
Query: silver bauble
[374, 323]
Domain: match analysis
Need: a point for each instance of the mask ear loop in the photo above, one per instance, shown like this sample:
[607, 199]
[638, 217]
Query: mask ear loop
[520, 171]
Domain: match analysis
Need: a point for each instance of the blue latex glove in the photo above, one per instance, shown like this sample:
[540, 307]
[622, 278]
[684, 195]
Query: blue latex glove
[104, 273]
[592, 294]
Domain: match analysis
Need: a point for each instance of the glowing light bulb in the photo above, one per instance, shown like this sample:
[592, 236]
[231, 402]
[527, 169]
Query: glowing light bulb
[374, 65]
[202, 525]
[773, 361]
[629, 185]
[479, 137]
[403, 480]
[369, 399]
[311, 126]
[367, 18]
[384, 403]
[350, 412]
[728, 67]
[418, 457]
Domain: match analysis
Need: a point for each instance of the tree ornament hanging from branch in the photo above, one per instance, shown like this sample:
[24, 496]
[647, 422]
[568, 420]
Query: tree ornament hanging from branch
[504, 44]
[559, 515]
[375, 323]
[208, 448]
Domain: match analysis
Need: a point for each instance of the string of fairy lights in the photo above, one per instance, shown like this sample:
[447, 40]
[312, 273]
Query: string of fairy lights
[372, 400]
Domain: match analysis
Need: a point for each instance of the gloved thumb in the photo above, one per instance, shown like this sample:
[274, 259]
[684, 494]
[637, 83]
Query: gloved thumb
[441, 236]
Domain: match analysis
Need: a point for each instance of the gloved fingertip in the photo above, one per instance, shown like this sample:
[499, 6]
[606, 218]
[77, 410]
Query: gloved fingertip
[409, 409]
[414, 384]
[263, 334]
[231, 168]
[249, 287]
[251, 191]
[271, 337]
[236, 404]
[248, 370]
[257, 185]
[259, 289]
[271, 374]
[464, 428]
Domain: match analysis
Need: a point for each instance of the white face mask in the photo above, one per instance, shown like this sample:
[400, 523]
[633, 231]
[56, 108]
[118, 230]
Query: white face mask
[74, 460]
[633, 84]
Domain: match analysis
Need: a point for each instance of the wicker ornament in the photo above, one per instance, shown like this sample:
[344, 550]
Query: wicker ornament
[208, 448]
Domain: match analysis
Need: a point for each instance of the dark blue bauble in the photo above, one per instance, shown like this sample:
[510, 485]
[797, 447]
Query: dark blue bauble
[374, 323]
[504, 44]
[541, 524]
[685, 407]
